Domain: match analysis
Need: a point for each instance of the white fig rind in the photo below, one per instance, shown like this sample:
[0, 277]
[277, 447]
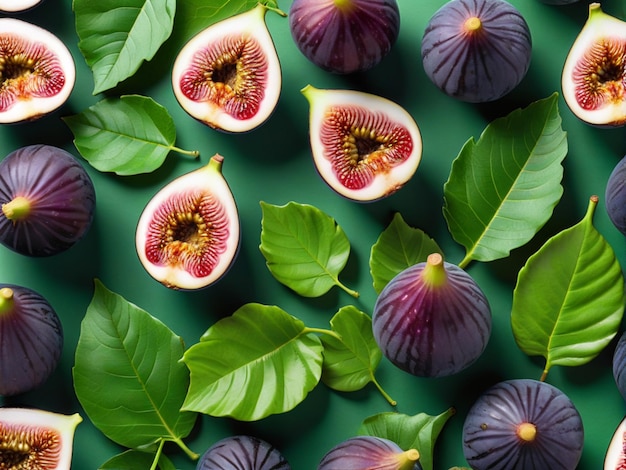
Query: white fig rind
[31, 108]
[15, 6]
[598, 27]
[385, 183]
[250, 24]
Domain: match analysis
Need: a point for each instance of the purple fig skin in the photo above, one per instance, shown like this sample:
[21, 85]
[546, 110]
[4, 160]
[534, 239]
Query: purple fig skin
[615, 196]
[476, 50]
[344, 36]
[361, 452]
[242, 453]
[47, 200]
[520, 424]
[432, 319]
[31, 339]
[619, 365]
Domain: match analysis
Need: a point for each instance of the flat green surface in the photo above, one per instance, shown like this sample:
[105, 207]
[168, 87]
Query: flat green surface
[273, 164]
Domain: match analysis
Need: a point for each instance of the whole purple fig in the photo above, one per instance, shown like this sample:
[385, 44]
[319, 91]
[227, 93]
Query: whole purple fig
[344, 36]
[31, 339]
[615, 196]
[476, 50]
[619, 365]
[369, 452]
[432, 319]
[521, 424]
[242, 452]
[47, 200]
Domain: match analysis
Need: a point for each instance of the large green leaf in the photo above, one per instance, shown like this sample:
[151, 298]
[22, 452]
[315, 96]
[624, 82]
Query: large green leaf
[127, 135]
[419, 431]
[398, 247]
[127, 373]
[117, 36]
[351, 357]
[257, 362]
[569, 299]
[304, 248]
[503, 188]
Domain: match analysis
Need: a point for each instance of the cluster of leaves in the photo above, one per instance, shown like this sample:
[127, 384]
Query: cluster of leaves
[500, 192]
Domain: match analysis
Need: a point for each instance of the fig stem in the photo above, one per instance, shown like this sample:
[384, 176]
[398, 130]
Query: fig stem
[190, 453]
[391, 401]
[193, 153]
[17, 209]
[408, 458]
[6, 299]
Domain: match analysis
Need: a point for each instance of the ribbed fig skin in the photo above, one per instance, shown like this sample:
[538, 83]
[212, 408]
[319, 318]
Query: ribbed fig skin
[615, 196]
[31, 340]
[61, 194]
[490, 441]
[366, 452]
[432, 331]
[348, 38]
[242, 453]
[619, 365]
[481, 66]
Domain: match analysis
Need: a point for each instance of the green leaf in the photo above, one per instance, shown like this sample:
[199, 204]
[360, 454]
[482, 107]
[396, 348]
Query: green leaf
[409, 432]
[503, 188]
[136, 460]
[195, 15]
[127, 373]
[117, 36]
[398, 247]
[127, 135]
[257, 362]
[351, 357]
[304, 248]
[569, 299]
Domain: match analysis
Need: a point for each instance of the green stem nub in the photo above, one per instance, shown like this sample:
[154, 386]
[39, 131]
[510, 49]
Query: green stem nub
[473, 25]
[434, 273]
[407, 459]
[6, 300]
[17, 209]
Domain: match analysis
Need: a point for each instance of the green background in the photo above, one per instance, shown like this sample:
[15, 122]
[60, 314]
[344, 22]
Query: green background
[273, 164]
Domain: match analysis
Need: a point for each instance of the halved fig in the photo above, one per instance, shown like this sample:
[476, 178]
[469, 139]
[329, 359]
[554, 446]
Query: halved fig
[344, 36]
[36, 439]
[594, 74]
[476, 50]
[17, 6]
[228, 76]
[47, 200]
[188, 234]
[615, 458]
[37, 71]
[364, 146]
[31, 339]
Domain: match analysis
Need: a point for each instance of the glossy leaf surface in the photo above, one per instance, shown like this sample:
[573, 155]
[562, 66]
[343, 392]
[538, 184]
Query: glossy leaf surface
[304, 248]
[419, 431]
[398, 247]
[502, 189]
[569, 298]
[256, 345]
[128, 135]
[128, 375]
[117, 36]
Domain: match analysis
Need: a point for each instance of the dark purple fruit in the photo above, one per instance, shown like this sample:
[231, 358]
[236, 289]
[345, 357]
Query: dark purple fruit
[47, 200]
[37, 71]
[36, 439]
[228, 76]
[432, 319]
[523, 424]
[344, 36]
[369, 452]
[615, 196]
[619, 365]
[31, 339]
[594, 74]
[242, 453]
[476, 50]
[188, 234]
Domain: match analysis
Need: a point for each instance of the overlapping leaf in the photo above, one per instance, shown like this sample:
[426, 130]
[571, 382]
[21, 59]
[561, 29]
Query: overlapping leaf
[128, 135]
[398, 247]
[569, 299]
[128, 376]
[117, 36]
[257, 362]
[503, 188]
[304, 248]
